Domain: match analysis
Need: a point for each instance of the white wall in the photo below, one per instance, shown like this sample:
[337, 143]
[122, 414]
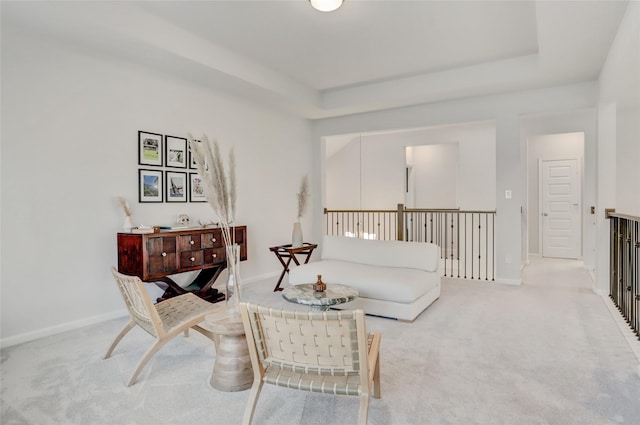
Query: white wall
[344, 177]
[69, 143]
[553, 146]
[382, 173]
[606, 188]
[367, 173]
[619, 100]
[435, 175]
[619, 80]
[476, 161]
[383, 166]
[628, 162]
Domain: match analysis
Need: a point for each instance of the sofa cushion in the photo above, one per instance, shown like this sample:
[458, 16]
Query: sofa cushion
[412, 255]
[382, 283]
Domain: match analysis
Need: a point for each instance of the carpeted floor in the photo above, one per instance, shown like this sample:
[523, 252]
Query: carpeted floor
[546, 352]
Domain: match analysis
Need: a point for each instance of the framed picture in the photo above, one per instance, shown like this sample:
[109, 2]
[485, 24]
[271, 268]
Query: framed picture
[150, 185]
[149, 148]
[192, 161]
[175, 152]
[176, 186]
[196, 188]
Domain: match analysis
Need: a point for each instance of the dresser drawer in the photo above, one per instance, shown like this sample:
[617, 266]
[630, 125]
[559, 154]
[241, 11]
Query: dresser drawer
[161, 255]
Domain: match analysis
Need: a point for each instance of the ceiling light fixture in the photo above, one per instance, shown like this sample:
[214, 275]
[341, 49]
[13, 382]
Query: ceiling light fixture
[326, 5]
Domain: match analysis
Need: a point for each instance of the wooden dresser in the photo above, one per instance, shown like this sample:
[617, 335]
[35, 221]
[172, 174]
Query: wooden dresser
[153, 257]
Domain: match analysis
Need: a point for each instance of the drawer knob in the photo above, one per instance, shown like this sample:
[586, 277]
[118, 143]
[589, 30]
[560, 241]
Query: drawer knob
[213, 239]
[191, 242]
[215, 255]
[192, 259]
[164, 254]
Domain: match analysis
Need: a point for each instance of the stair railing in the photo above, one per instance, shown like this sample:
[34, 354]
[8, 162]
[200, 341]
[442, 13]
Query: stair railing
[625, 267]
[466, 238]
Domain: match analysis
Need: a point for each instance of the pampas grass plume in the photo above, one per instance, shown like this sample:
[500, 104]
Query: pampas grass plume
[219, 182]
[303, 196]
[125, 206]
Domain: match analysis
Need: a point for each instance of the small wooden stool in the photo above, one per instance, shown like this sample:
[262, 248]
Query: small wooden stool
[232, 370]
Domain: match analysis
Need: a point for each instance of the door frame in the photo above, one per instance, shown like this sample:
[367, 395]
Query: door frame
[581, 192]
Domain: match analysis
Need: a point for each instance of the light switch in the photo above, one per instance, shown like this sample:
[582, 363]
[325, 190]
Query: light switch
[507, 194]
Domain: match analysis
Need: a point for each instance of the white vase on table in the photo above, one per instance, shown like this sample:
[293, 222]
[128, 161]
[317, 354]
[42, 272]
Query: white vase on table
[296, 235]
[127, 223]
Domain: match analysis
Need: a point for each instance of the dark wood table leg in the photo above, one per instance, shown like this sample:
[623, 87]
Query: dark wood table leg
[200, 286]
[284, 271]
[286, 251]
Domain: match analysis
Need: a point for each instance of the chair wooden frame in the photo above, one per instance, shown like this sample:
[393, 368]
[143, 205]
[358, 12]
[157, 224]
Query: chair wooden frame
[163, 321]
[320, 351]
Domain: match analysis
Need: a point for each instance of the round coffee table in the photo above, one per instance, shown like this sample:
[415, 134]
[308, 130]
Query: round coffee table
[319, 301]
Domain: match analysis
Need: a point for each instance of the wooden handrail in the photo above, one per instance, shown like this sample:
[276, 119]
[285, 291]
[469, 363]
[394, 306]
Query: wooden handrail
[625, 216]
[359, 211]
[326, 210]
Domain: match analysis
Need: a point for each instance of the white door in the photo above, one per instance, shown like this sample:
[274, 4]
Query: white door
[560, 208]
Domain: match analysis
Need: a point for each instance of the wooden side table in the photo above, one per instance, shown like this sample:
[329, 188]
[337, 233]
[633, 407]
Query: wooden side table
[289, 253]
[232, 370]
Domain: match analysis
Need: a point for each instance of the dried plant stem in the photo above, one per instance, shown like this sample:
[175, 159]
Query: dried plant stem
[219, 184]
[303, 196]
[125, 206]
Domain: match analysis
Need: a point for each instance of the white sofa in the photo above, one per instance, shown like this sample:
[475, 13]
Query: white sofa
[395, 279]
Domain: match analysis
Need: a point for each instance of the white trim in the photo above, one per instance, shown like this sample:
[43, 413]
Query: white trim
[600, 292]
[592, 273]
[63, 327]
[69, 326]
[509, 281]
[263, 277]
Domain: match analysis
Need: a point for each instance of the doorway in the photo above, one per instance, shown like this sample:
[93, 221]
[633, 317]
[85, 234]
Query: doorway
[555, 188]
[560, 221]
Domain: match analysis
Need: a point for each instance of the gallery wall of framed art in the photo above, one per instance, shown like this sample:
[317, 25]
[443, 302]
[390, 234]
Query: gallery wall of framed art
[165, 182]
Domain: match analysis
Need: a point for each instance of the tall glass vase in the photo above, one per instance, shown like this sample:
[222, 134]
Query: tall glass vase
[232, 298]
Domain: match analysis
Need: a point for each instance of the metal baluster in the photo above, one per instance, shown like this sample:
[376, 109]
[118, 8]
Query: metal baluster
[613, 245]
[473, 247]
[452, 246]
[465, 245]
[458, 248]
[493, 245]
[636, 275]
[479, 245]
[486, 247]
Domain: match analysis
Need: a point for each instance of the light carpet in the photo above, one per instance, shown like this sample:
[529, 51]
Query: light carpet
[546, 352]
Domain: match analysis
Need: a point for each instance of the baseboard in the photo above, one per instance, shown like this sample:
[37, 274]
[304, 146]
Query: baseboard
[592, 272]
[601, 292]
[594, 286]
[263, 277]
[69, 326]
[64, 327]
[509, 281]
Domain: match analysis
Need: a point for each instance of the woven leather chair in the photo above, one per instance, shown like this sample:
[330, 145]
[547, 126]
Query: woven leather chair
[321, 351]
[162, 321]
